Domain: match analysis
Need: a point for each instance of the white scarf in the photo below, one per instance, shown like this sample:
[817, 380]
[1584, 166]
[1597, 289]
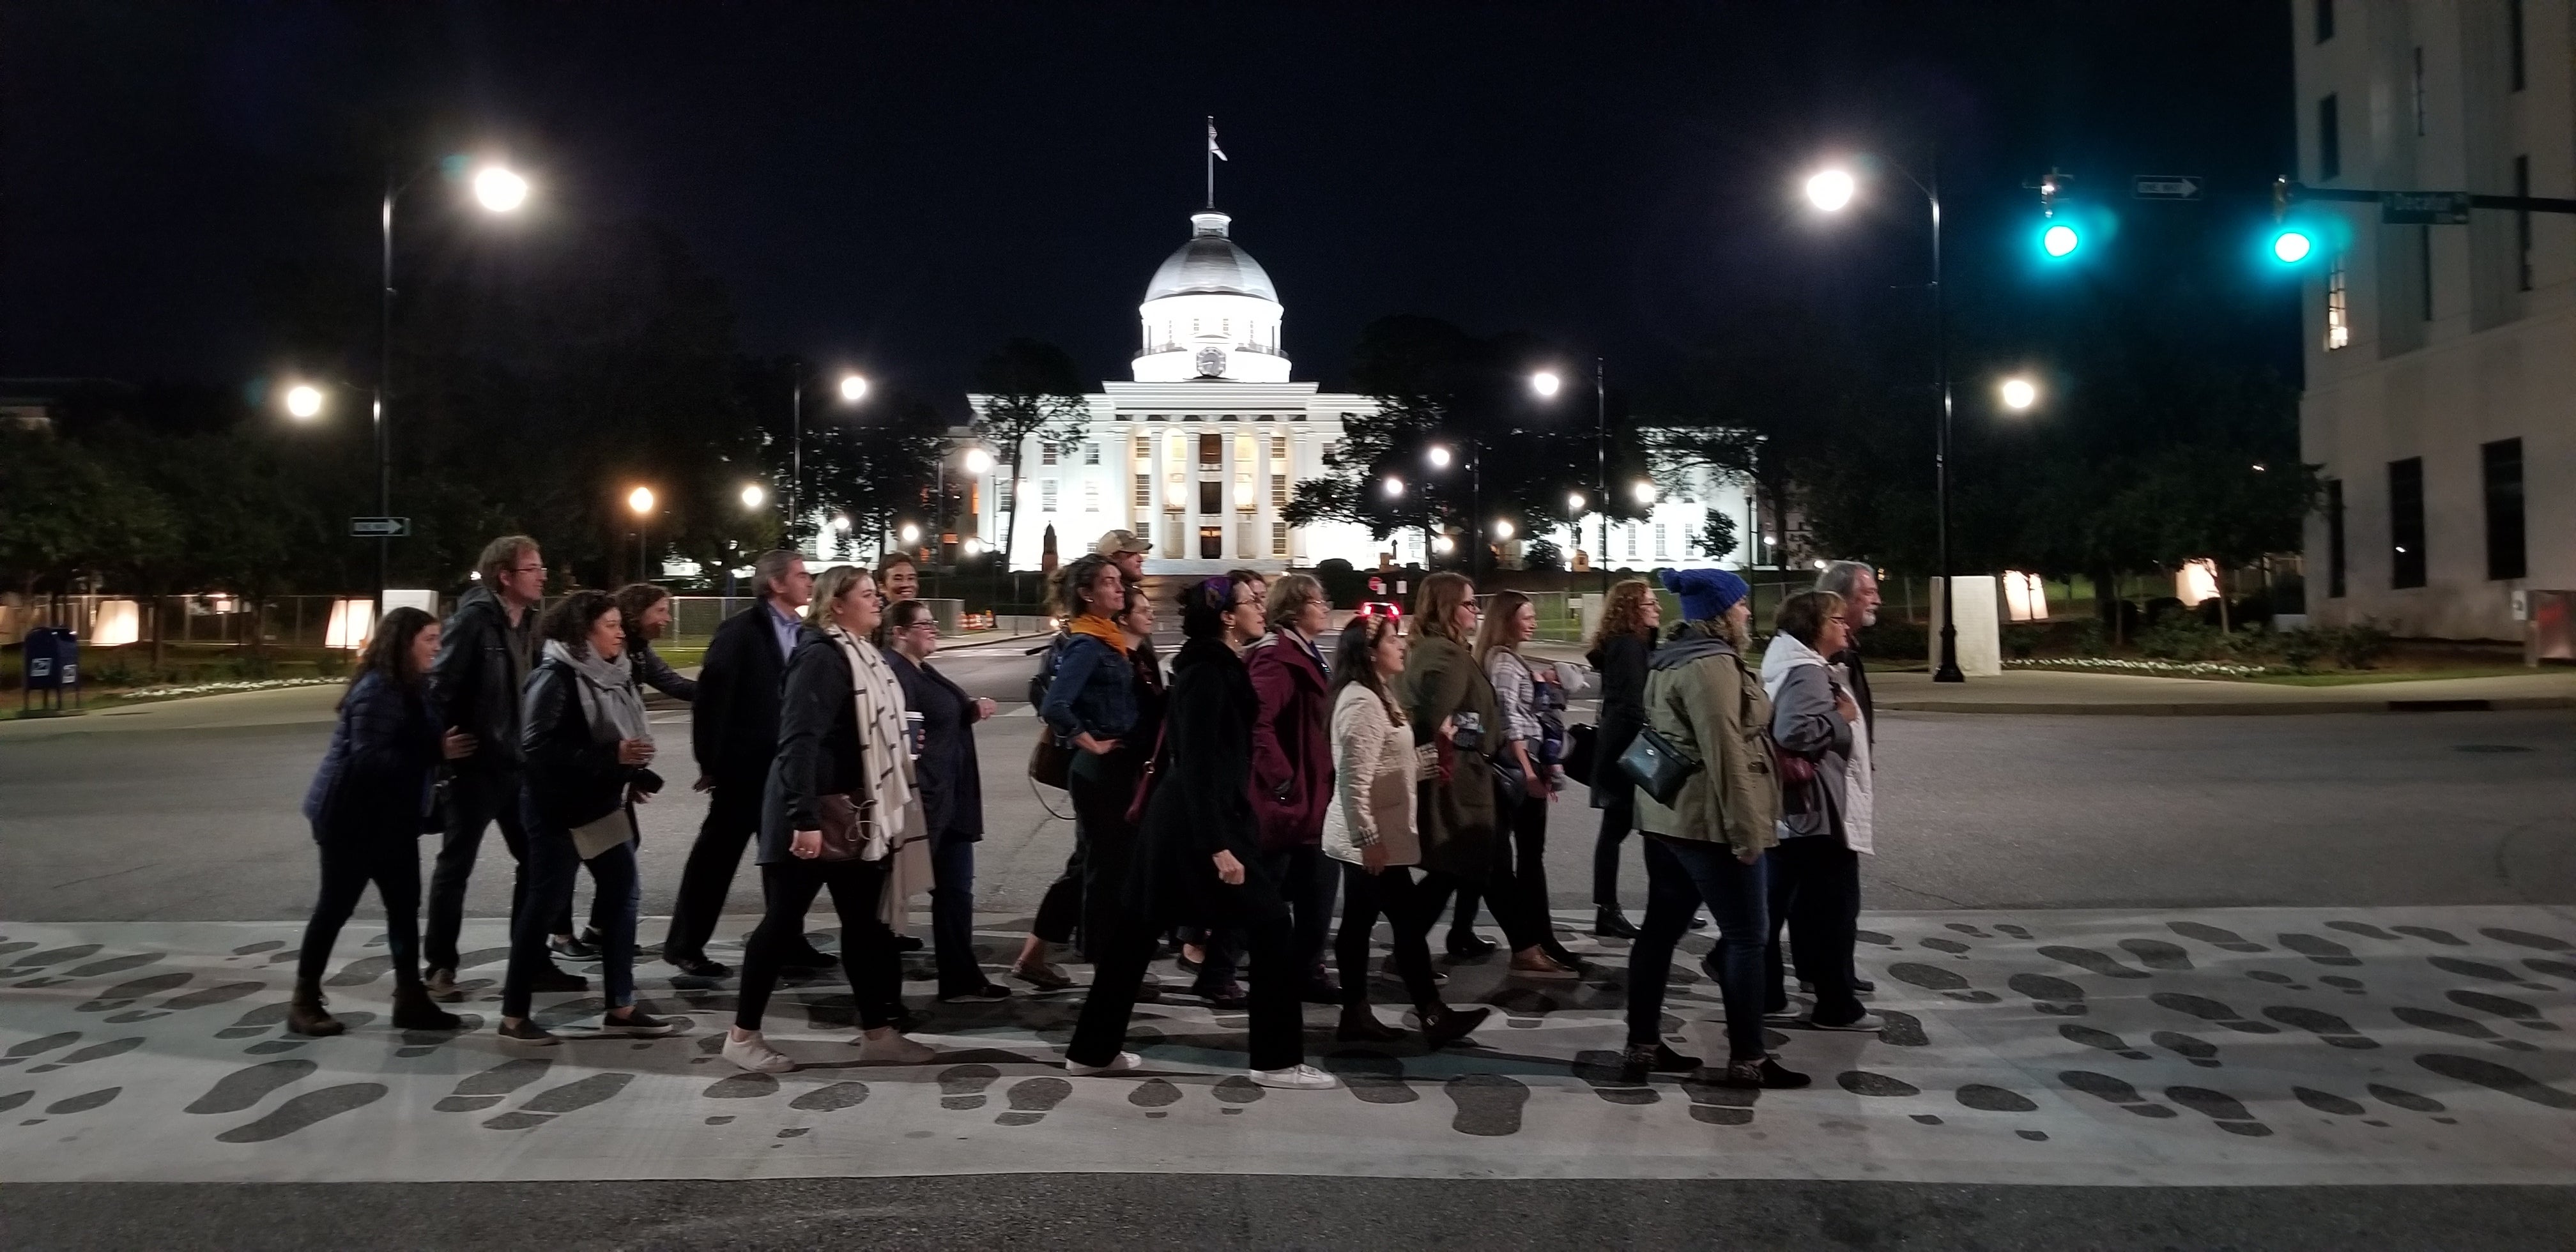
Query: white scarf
[900, 835]
[1784, 654]
[609, 699]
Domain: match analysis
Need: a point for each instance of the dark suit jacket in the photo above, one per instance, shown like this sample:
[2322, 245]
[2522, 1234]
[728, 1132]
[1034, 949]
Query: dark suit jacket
[1849, 658]
[951, 780]
[733, 723]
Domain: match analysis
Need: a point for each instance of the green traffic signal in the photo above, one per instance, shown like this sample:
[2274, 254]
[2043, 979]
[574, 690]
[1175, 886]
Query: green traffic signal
[2060, 240]
[2292, 246]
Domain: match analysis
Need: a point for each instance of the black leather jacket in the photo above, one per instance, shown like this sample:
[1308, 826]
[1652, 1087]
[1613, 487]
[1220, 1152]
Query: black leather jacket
[652, 671]
[475, 679]
[819, 749]
[572, 777]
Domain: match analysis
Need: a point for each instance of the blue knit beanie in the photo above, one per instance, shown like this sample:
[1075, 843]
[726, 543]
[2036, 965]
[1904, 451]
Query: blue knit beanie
[1706, 594]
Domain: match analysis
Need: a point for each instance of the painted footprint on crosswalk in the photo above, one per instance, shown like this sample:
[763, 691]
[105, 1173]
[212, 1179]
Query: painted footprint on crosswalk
[1714, 1104]
[306, 1111]
[2103, 1039]
[482, 1090]
[1935, 978]
[1032, 1099]
[1986, 1098]
[251, 1084]
[2111, 1090]
[1372, 1076]
[2053, 996]
[2215, 936]
[2519, 1013]
[2091, 961]
[1156, 1096]
[2230, 1113]
[2158, 955]
[2526, 939]
[2466, 1028]
[2198, 1051]
[961, 1087]
[1599, 1070]
[2484, 972]
[2319, 949]
[1487, 1104]
[124, 994]
[554, 1102]
[831, 1097]
[2326, 1026]
[19, 1052]
[94, 1052]
[2494, 1077]
[2213, 1011]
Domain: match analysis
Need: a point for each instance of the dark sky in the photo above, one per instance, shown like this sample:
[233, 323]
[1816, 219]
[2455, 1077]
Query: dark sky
[903, 187]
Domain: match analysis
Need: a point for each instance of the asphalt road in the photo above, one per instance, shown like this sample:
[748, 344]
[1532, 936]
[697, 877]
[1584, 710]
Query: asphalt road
[1976, 812]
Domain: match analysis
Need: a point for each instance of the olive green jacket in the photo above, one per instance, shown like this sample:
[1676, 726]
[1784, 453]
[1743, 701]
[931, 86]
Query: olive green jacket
[1704, 700]
[1457, 817]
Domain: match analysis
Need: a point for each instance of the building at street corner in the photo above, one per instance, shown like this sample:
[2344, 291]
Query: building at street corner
[1203, 449]
[2441, 358]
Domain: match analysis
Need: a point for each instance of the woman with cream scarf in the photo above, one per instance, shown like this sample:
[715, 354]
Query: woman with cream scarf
[841, 813]
[1824, 822]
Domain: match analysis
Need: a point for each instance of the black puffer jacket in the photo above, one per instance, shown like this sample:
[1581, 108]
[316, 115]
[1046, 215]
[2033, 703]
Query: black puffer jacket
[572, 778]
[476, 678]
[1202, 801]
[819, 750]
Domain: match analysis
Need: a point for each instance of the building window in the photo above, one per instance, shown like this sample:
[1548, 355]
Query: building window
[2338, 306]
[2500, 464]
[1144, 491]
[1144, 449]
[1008, 499]
[1278, 490]
[1661, 552]
[1211, 497]
[2406, 522]
[1046, 452]
[2424, 269]
[1091, 454]
[1211, 451]
[2329, 142]
[1279, 450]
[2513, 41]
[1091, 495]
[1632, 539]
[1046, 495]
[2334, 538]
[2522, 224]
[1244, 533]
[1243, 497]
[2325, 20]
[1279, 539]
[2419, 93]
[1211, 543]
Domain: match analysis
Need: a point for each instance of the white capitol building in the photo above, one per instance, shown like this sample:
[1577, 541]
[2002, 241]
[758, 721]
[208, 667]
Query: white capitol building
[1202, 451]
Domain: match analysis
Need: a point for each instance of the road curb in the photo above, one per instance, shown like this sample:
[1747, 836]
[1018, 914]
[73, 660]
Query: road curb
[2495, 704]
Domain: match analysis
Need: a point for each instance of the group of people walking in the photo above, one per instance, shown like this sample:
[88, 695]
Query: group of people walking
[1221, 804]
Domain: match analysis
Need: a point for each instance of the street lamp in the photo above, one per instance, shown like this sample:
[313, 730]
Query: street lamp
[1503, 529]
[1830, 190]
[498, 189]
[910, 534]
[303, 401]
[979, 462]
[641, 501]
[2019, 394]
[1438, 456]
[1645, 492]
[1545, 383]
[752, 496]
[1394, 487]
[853, 388]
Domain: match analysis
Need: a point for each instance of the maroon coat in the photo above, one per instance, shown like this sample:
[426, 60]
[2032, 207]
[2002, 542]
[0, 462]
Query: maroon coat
[1292, 744]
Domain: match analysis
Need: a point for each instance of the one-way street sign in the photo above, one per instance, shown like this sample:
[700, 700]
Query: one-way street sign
[2166, 186]
[380, 527]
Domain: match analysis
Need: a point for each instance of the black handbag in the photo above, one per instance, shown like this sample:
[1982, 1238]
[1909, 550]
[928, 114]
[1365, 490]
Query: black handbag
[1656, 766]
[1582, 745]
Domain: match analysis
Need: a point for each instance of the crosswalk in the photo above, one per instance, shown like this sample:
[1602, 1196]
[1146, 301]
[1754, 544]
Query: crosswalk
[2236, 1046]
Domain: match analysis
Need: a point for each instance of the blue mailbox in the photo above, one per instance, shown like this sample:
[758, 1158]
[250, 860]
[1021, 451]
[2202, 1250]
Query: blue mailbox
[53, 662]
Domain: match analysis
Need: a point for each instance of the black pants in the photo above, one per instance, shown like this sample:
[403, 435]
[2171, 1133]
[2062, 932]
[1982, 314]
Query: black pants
[1410, 906]
[1278, 1018]
[549, 869]
[1519, 905]
[1815, 892]
[952, 916]
[1102, 788]
[867, 947]
[733, 816]
[349, 862]
[1310, 880]
[1618, 817]
[1681, 875]
[1060, 909]
[476, 799]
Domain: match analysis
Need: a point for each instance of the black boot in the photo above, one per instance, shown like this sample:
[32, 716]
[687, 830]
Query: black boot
[305, 1014]
[1609, 923]
[1442, 1025]
[1359, 1025]
[413, 1010]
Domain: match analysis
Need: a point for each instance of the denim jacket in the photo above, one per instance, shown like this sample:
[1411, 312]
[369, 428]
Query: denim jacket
[1093, 690]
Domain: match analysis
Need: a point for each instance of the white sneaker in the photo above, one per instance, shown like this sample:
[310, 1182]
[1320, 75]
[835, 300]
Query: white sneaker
[894, 1049]
[756, 1055]
[1296, 1078]
[1124, 1062]
[1867, 1022]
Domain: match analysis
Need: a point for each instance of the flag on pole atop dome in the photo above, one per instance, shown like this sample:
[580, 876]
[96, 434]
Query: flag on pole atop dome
[1212, 148]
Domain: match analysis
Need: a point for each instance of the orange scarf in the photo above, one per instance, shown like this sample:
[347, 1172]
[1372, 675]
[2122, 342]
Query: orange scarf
[1100, 628]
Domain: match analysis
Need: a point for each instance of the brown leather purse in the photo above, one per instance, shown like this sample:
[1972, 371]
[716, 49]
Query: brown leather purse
[846, 824]
[1050, 762]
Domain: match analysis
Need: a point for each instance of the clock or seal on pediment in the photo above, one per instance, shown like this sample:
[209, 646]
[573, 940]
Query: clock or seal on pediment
[1211, 362]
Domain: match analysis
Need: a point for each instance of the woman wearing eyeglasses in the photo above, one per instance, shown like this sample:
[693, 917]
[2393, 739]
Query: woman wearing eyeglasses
[952, 794]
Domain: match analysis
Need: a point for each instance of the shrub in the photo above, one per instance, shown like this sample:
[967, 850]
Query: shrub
[2301, 648]
[1903, 641]
[2180, 639]
[2021, 641]
[1542, 554]
[2358, 645]
[2094, 639]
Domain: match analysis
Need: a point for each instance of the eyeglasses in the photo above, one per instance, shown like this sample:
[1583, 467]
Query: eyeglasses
[932, 627]
[527, 569]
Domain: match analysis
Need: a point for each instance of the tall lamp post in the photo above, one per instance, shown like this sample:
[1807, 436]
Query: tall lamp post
[1546, 383]
[640, 501]
[497, 189]
[852, 389]
[1830, 190]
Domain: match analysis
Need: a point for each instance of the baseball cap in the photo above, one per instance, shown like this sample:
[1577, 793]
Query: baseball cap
[1121, 540]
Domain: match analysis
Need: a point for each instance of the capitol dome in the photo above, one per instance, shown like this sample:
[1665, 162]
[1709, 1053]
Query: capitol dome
[1210, 313]
[1211, 263]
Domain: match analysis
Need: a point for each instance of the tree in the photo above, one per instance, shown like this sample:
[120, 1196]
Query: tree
[1027, 390]
[1716, 536]
[879, 468]
[65, 512]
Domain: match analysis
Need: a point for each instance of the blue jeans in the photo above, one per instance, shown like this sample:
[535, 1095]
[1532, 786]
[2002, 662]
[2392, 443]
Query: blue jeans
[547, 875]
[1680, 875]
[952, 916]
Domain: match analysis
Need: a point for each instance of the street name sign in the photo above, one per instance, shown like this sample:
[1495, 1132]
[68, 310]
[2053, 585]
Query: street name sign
[2166, 186]
[379, 527]
[2424, 208]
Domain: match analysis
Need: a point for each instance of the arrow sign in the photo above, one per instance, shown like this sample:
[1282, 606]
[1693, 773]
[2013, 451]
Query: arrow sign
[2166, 186]
[379, 527]
[2424, 208]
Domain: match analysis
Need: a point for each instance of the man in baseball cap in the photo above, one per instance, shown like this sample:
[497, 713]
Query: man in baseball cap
[1125, 551]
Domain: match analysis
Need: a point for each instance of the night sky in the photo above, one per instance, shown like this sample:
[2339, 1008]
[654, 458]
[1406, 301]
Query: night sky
[900, 188]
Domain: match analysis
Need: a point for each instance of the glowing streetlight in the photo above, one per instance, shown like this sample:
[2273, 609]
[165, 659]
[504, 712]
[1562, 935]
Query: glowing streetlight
[1645, 492]
[2019, 394]
[978, 462]
[752, 496]
[1574, 502]
[303, 401]
[841, 523]
[499, 189]
[1444, 545]
[972, 547]
[910, 534]
[1394, 487]
[853, 388]
[1830, 190]
[1503, 529]
[640, 500]
[1439, 456]
[1545, 382]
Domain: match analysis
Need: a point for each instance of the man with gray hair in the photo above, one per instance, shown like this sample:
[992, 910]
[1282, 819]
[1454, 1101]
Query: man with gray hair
[733, 727]
[1857, 583]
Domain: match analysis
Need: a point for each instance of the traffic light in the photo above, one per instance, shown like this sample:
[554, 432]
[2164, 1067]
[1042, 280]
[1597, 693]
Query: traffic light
[2060, 240]
[2059, 236]
[2294, 239]
[2291, 245]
